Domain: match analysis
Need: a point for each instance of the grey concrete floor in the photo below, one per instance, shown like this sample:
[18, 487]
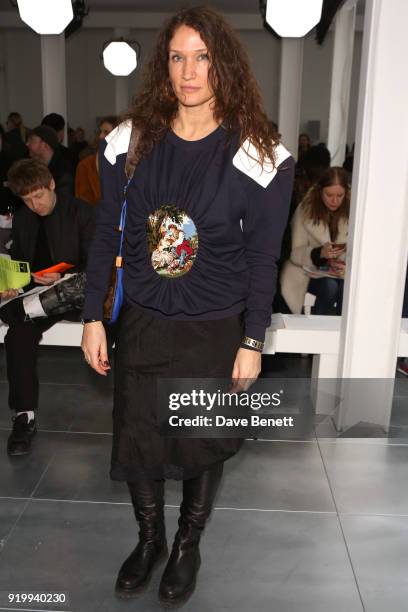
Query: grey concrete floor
[301, 524]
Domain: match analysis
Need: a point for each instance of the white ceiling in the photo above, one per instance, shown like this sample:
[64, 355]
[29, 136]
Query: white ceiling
[169, 6]
[159, 6]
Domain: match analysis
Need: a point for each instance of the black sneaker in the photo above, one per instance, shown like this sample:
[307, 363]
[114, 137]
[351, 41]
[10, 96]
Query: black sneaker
[19, 442]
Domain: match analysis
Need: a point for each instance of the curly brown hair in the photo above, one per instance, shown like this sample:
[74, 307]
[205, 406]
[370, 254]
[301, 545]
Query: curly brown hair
[238, 105]
[313, 205]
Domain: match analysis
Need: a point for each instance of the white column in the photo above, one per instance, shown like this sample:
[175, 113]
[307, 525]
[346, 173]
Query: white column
[54, 75]
[341, 82]
[378, 236]
[291, 67]
[121, 82]
[4, 101]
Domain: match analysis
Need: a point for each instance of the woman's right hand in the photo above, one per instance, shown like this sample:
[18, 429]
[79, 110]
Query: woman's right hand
[8, 294]
[327, 251]
[94, 347]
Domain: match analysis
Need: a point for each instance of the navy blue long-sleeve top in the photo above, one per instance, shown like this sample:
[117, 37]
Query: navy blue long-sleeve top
[203, 229]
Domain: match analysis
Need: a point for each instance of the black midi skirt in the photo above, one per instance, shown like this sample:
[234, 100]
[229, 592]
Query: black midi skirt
[148, 349]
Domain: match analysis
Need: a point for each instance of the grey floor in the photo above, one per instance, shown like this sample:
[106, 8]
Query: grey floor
[303, 524]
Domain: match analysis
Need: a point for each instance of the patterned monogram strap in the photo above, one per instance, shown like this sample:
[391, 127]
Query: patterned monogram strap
[256, 344]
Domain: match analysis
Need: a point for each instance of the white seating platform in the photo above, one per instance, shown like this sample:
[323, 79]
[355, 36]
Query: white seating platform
[64, 333]
[303, 334]
[320, 336]
[314, 334]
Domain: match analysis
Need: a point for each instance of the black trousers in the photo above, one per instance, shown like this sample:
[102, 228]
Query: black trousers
[21, 343]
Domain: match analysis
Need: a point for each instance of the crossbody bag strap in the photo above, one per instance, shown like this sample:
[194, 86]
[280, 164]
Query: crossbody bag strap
[130, 167]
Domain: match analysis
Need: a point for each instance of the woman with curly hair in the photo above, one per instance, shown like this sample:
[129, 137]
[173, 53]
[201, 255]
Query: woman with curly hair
[319, 239]
[207, 152]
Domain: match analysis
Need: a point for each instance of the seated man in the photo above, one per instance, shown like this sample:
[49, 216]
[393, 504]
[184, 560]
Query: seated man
[51, 228]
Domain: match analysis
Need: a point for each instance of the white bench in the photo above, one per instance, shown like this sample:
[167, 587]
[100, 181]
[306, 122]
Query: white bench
[64, 333]
[287, 334]
[320, 336]
[314, 334]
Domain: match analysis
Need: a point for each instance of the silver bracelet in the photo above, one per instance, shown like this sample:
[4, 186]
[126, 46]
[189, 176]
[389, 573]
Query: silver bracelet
[256, 344]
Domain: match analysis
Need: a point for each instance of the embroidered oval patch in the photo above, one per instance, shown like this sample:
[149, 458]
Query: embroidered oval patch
[172, 241]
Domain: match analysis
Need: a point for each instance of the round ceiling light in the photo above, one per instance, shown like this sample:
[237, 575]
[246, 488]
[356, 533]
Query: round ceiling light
[293, 18]
[119, 58]
[46, 16]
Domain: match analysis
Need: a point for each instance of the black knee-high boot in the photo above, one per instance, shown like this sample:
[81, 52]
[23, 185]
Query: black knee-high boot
[179, 577]
[148, 503]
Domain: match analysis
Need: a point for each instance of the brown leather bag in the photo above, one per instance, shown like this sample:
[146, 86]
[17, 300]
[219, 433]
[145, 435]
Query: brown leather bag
[130, 167]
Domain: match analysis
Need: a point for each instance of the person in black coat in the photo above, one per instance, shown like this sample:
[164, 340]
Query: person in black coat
[206, 211]
[51, 228]
[57, 123]
[43, 144]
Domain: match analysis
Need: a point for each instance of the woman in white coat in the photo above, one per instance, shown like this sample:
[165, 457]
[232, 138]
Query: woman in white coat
[319, 239]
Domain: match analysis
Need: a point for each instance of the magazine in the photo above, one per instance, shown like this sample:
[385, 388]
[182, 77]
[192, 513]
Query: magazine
[314, 272]
[14, 274]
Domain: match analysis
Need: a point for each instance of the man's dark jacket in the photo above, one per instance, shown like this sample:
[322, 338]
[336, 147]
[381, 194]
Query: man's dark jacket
[62, 173]
[68, 228]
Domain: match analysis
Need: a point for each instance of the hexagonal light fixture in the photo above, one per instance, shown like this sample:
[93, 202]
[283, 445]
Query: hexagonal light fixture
[46, 16]
[119, 56]
[293, 18]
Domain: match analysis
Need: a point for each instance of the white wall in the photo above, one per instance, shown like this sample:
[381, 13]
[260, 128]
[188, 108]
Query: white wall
[317, 67]
[355, 81]
[20, 63]
[91, 88]
[264, 52]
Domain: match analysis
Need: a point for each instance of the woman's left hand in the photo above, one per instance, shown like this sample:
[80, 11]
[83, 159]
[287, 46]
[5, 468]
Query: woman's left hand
[246, 370]
[337, 267]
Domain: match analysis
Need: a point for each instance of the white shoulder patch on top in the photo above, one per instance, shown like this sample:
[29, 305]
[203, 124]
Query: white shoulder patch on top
[118, 141]
[246, 159]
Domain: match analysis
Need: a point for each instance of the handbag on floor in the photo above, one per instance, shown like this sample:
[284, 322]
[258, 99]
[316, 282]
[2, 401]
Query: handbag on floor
[114, 296]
